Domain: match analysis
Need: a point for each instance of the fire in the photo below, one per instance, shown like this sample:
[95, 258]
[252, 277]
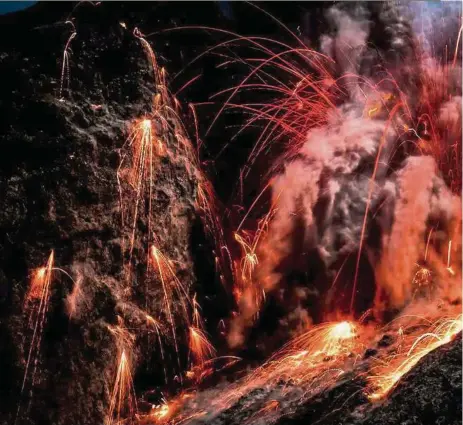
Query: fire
[385, 376]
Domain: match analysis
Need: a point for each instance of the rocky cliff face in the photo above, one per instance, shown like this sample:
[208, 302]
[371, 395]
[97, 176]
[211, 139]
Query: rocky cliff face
[61, 149]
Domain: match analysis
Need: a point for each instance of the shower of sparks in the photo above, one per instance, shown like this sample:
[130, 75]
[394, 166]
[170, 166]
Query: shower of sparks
[201, 349]
[311, 362]
[123, 399]
[413, 347]
[315, 359]
[138, 167]
[174, 292]
[65, 69]
[36, 306]
[123, 394]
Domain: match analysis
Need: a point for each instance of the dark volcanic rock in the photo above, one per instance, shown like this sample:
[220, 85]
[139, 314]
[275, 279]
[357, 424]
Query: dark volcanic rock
[429, 394]
[59, 191]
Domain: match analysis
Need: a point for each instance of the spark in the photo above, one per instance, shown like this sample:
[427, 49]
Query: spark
[385, 376]
[39, 291]
[65, 70]
[422, 277]
[123, 394]
[123, 398]
[142, 150]
[200, 348]
[172, 290]
[249, 261]
[449, 268]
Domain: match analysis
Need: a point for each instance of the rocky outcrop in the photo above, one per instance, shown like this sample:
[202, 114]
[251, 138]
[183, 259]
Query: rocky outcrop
[61, 146]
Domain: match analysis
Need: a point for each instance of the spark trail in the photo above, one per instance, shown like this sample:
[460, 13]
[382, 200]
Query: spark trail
[387, 372]
[65, 69]
[36, 307]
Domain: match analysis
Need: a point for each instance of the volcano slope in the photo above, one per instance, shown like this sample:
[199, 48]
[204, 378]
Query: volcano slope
[60, 154]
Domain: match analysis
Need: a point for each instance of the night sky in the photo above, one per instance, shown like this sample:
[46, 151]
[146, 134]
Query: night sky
[13, 6]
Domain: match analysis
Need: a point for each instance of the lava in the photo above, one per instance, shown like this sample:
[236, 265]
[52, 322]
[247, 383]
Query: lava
[357, 165]
[385, 375]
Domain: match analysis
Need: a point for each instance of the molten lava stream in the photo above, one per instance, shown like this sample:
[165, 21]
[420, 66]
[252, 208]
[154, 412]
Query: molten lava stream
[302, 368]
[412, 347]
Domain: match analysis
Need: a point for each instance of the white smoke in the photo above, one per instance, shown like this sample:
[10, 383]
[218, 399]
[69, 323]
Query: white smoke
[335, 166]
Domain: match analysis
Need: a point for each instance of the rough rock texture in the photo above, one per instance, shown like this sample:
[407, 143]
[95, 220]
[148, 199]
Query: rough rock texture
[59, 191]
[429, 393]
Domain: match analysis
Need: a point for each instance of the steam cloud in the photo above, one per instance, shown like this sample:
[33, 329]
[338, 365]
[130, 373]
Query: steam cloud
[328, 186]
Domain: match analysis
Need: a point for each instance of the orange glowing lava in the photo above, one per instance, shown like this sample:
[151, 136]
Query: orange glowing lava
[413, 347]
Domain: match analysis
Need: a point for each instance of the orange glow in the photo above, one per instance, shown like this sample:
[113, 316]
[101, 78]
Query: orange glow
[200, 348]
[137, 167]
[123, 399]
[74, 297]
[39, 291]
[123, 394]
[412, 349]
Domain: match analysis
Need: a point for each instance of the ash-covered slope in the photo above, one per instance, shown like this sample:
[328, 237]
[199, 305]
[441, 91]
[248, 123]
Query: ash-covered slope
[59, 191]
